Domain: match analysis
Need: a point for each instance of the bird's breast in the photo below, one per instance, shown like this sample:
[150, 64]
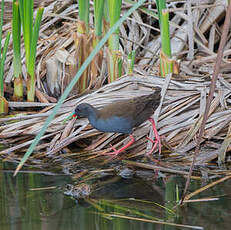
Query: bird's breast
[113, 124]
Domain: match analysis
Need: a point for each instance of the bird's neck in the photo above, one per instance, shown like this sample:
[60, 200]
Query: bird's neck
[93, 115]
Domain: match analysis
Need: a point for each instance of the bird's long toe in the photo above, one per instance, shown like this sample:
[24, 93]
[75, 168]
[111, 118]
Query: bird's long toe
[156, 142]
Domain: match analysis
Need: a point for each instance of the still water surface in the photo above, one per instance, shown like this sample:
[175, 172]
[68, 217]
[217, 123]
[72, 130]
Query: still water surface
[37, 201]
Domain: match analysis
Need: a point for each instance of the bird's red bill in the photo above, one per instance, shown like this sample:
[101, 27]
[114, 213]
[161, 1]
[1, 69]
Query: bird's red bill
[74, 115]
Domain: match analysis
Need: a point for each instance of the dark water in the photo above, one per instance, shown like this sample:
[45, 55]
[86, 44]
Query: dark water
[37, 201]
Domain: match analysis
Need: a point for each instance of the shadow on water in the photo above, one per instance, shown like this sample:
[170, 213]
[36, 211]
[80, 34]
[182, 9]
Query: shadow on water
[37, 201]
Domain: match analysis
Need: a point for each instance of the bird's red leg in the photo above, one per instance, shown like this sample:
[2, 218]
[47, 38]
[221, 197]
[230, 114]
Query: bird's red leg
[118, 151]
[157, 138]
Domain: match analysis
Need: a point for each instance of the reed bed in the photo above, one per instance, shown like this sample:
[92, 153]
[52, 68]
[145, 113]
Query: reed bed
[178, 122]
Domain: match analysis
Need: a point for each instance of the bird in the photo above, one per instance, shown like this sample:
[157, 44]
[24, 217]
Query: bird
[123, 116]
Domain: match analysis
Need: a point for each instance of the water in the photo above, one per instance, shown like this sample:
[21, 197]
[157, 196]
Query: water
[37, 201]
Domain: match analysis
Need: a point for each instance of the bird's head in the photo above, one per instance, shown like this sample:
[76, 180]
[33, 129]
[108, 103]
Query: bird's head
[83, 110]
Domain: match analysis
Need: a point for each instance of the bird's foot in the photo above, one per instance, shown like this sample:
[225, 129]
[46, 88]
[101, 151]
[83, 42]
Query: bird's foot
[156, 142]
[114, 153]
[118, 151]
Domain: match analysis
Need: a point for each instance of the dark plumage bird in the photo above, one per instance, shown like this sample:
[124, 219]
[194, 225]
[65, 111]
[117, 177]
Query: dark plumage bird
[123, 116]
